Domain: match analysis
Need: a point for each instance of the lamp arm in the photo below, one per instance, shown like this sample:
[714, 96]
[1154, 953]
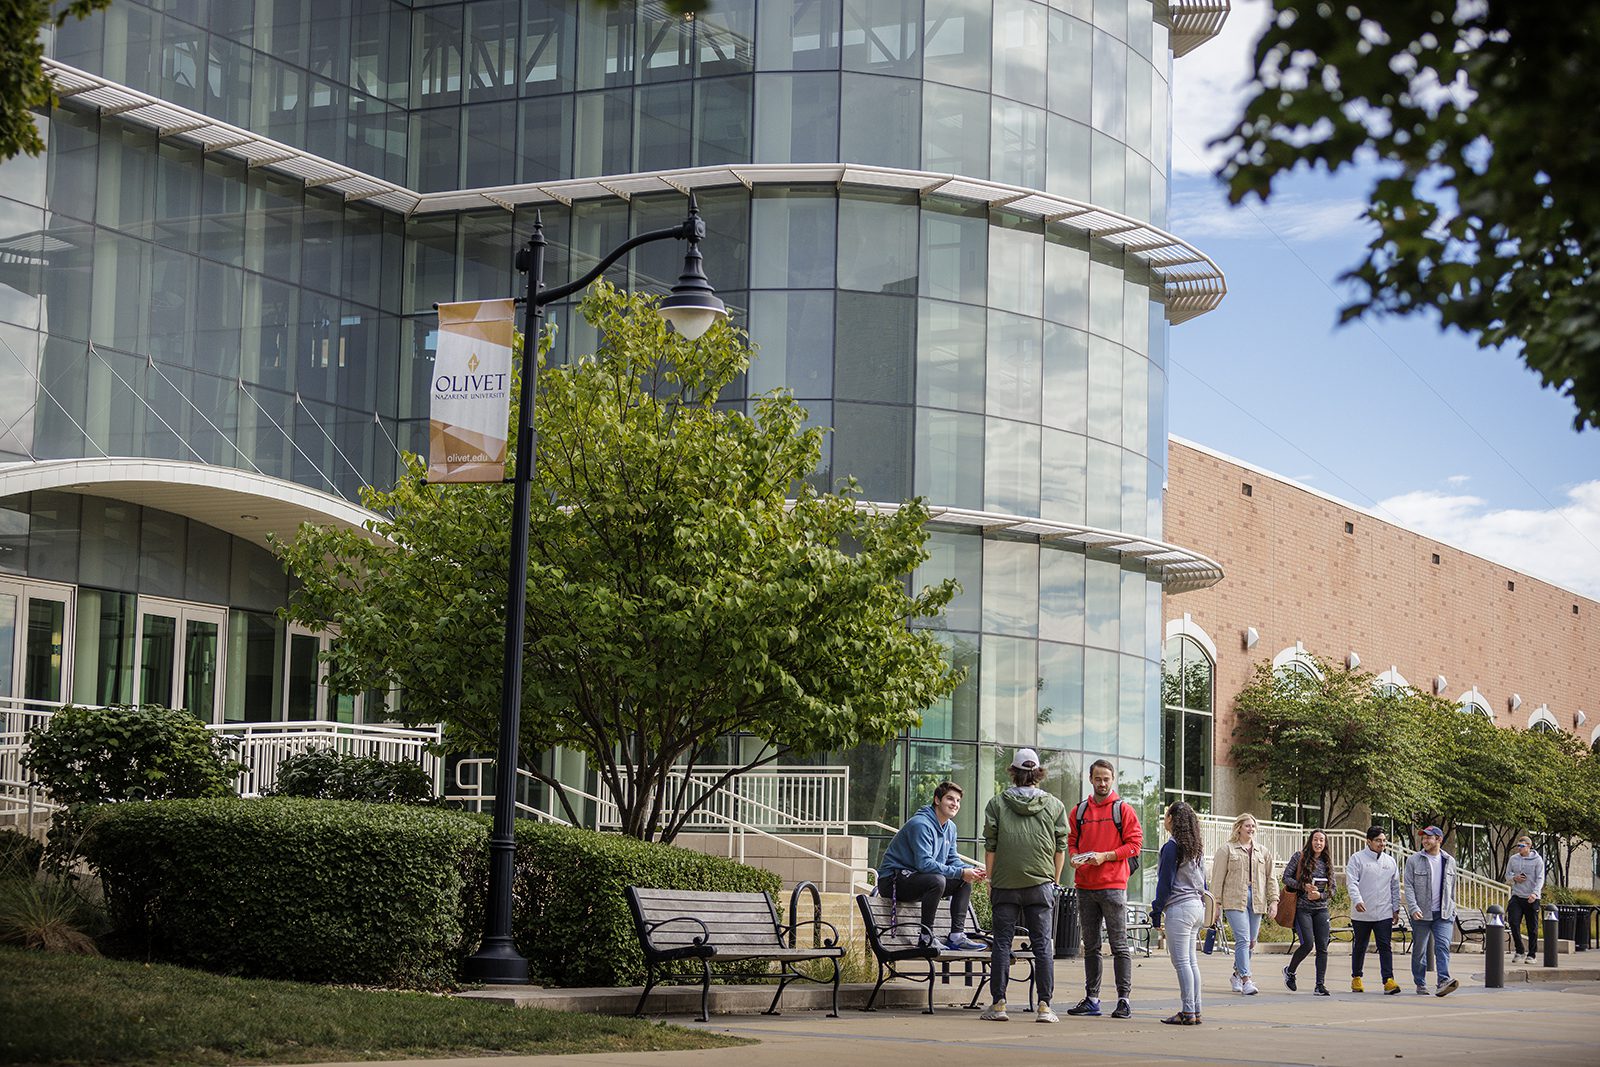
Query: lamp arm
[691, 229]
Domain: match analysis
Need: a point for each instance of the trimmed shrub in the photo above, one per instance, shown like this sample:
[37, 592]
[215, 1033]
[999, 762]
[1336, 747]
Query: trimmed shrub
[101, 755]
[322, 773]
[571, 916]
[310, 890]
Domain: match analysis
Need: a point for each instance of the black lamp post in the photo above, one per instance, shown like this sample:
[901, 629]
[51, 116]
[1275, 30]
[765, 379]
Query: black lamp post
[691, 307]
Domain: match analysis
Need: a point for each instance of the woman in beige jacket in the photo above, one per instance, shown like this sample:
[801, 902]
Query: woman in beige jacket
[1246, 890]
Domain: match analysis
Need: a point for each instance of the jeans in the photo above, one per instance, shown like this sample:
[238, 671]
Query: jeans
[1311, 926]
[1036, 907]
[1183, 926]
[1111, 907]
[1379, 931]
[930, 889]
[1438, 931]
[1522, 910]
[1245, 925]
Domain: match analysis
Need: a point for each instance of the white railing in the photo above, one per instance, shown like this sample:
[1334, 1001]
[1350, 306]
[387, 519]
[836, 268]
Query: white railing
[263, 746]
[1282, 839]
[260, 746]
[474, 789]
[794, 800]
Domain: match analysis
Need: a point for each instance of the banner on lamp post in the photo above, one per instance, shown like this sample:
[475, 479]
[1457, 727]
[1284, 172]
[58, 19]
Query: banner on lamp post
[468, 421]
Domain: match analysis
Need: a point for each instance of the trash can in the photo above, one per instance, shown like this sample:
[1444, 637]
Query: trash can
[1069, 939]
[1583, 921]
[1567, 921]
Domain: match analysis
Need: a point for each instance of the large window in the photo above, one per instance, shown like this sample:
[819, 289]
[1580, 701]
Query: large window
[1187, 687]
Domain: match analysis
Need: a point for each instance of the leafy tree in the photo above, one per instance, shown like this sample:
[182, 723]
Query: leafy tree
[1333, 738]
[1569, 809]
[104, 755]
[23, 84]
[1483, 117]
[685, 582]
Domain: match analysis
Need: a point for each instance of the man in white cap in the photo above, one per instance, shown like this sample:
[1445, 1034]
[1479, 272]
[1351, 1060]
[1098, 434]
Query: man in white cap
[1431, 901]
[1025, 847]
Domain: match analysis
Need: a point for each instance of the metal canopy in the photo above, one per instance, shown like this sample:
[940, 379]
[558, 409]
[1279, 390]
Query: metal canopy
[1193, 282]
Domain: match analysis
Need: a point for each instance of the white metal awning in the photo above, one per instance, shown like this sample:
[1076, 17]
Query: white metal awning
[1193, 282]
[1194, 22]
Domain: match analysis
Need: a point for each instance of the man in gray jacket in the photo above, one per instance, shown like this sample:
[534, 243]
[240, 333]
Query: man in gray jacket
[1525, 872]
[1431, 901]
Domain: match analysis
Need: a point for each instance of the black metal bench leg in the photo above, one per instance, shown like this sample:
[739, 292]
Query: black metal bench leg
[784, 978]
[929, 1009]
[649, 984]
[705, 991]
[834, 1014]
[872, 998]
[983, 983]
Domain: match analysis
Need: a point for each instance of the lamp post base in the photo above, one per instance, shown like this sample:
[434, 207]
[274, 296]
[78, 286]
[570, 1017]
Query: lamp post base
[497, 963]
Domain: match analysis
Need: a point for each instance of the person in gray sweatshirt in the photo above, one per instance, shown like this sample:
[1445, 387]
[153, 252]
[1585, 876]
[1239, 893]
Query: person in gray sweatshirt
[1525, 872]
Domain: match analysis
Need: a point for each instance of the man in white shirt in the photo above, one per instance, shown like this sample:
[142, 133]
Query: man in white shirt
[1431, 901]
[1373, 881]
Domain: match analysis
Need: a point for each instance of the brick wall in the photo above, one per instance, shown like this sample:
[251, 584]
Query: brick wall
[1295, 574]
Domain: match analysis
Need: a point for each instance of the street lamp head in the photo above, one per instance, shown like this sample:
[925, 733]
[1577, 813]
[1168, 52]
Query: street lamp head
[692, 306]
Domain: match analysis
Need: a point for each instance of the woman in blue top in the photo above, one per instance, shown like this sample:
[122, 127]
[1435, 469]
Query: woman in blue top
[1180, 899]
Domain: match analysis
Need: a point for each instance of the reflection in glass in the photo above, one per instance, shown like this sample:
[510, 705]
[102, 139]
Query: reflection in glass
[1060, 712]
[1011, 467]
[1102, 601]
[956, 715]
[1009, 688]
[1061, 594]
[880, 121]
[158, 651]
[794, 228]
[798, 34]
[959, 556]
[1099, 701]
[878, 242]
[1021, 43]
[1010, 587]
[950, 457]
[873, 355]
[201, 645]
[956, 50]
[255, 678]
[955, 130]
[1014, 367]
[301, 683]
[950, 361]
[955, 252]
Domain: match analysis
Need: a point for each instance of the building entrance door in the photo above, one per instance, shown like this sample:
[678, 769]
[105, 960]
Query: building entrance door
[179, 660]
[35, 641]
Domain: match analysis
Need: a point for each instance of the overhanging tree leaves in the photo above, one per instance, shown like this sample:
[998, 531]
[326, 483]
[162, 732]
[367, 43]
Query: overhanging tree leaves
[23, 84]
[1483, 114]
[685, 581]
[1331, 738]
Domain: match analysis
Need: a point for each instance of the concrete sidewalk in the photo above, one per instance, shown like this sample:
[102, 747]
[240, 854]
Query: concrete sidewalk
[1553, 1021]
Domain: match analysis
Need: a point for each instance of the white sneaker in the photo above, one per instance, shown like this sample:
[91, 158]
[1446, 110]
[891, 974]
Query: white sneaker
[1249, 988]
[995, 1013]
[1235, 983]
[1046, 1014]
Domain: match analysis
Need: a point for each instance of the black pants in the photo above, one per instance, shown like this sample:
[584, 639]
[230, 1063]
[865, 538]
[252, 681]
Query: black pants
[1380, 931]
[1522, 910]
[1311, 926]
[930, 889]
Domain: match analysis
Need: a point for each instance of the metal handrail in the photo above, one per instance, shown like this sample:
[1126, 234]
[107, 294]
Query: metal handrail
[736, 829]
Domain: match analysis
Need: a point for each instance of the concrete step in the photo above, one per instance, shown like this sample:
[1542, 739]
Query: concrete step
[728, 999]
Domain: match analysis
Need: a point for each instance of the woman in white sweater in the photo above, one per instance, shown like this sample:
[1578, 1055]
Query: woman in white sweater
[1246, 890]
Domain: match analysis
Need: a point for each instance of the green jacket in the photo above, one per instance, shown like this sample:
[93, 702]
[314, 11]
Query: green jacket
[1024, 827]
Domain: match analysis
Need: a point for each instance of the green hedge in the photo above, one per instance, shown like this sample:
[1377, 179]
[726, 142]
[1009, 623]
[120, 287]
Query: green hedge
[312, 890]
[571, 916]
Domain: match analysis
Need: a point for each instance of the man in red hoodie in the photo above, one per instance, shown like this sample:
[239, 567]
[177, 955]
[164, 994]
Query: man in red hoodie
[1103, 835]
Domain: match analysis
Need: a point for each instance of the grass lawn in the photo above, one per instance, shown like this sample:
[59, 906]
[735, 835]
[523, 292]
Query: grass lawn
[77, 1010]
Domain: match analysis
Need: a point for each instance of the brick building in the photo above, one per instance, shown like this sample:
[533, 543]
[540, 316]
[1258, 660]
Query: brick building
[1309, 574]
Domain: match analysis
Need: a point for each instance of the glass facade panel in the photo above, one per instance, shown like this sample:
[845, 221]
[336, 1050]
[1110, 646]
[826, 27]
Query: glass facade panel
[949, 370]
[956, 44]
[955, 255]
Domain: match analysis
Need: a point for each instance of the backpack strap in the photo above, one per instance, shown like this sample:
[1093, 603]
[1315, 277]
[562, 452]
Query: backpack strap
[1116, 816]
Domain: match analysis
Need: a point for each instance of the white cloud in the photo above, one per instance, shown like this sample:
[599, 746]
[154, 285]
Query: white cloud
[1458, 479]
[1560, 544]
[1203, 212]
[1208, 91]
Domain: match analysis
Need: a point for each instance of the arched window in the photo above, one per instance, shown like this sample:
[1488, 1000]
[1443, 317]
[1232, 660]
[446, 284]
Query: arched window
[1475, 702]
[1188, 686]
[1543, 721]
[1390, 683]
[1296, 659]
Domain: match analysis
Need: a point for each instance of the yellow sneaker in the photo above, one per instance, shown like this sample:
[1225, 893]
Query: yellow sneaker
[1390, 987]
[1356, 986]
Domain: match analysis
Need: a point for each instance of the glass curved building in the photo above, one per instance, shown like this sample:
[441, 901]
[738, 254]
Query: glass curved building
[943, 221]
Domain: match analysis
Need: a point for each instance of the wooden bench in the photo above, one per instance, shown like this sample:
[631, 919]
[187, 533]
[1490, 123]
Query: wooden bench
[686, 924]
[897, 938]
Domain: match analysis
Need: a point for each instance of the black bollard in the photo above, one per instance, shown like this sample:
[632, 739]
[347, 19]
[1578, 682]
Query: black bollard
[1552, 935]
[1494, 949]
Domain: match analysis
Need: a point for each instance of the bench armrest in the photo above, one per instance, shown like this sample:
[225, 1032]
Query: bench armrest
[794, 928]
[705, 934]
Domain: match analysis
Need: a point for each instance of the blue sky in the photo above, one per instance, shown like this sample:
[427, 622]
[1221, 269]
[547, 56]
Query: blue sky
[1421, 427]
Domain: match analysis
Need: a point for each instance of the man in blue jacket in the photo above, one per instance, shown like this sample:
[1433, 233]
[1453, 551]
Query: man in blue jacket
[921, 865]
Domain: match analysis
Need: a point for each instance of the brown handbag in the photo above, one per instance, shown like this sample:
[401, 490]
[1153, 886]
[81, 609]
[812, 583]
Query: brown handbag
[1286, 906]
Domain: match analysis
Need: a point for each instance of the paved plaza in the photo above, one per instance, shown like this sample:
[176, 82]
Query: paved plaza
[1540, 1022]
